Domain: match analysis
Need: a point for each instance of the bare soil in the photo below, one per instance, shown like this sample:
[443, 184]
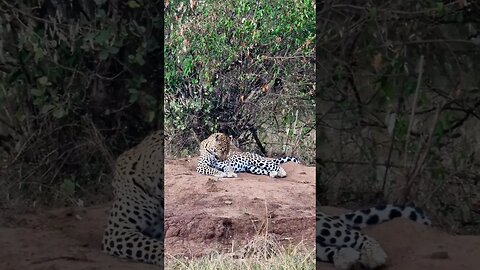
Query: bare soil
[202, 215]
[67, 238]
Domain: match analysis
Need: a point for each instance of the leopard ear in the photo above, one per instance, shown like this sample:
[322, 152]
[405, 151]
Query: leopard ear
[220, 137]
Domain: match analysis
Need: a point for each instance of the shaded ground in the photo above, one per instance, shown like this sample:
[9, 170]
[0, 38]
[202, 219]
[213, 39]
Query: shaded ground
[57, 239]
[202, 215]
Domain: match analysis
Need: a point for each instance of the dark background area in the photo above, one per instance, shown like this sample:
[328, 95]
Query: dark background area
[398, 97]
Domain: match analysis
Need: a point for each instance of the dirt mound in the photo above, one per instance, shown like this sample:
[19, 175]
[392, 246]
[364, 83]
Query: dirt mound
[202, 214]
[412, 246]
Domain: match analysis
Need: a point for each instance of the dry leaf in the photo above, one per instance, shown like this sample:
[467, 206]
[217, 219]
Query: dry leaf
[265, 88]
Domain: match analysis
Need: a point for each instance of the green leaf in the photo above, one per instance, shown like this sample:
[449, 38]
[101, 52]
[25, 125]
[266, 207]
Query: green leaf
[47, 108]
[20, 116]
[37, 92]
[133, 95]
[150, 116]
[38, 101]
[100, 13]
[38, 55]
[386, 88]
[100, 2]
[113, 50]
[103, 55]
[133, 4]
[68, 187]
[139, 59]
[401, 127]
[43, 80]
[59, 113]
[89, 37]
[102, 36]
[440, 8]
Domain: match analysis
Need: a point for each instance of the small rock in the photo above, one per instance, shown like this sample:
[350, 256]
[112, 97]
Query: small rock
[211, 186]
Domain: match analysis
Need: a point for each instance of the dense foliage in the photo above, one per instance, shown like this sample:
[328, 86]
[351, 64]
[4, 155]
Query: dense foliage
[242, 67]
[80, 81]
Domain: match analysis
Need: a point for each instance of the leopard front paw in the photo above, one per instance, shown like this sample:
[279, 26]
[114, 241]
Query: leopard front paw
[226, 175]
[346, 258]
[231, 175]
[372, 255]
[221, 175]
[278, 174]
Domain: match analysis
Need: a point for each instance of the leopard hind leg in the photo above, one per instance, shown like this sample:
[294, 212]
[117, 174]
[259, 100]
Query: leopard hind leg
[274, 171]
[134, 245]
[345, 247]
[286, 159]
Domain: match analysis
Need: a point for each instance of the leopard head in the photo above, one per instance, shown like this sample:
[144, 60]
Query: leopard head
[219, 146]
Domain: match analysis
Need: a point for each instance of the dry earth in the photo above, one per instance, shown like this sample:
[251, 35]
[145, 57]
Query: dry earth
[202, 215]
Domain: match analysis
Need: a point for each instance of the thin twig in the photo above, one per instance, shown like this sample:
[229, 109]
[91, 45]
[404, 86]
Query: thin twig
[419, 164]
[414, 106]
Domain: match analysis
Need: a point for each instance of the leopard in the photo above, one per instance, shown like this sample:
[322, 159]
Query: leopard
[214, 149]
[255, 164]
[339, 239]
[135, 227]
[212, 161]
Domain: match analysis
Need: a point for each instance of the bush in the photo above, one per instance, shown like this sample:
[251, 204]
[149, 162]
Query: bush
[245, 68]
[79, 84]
